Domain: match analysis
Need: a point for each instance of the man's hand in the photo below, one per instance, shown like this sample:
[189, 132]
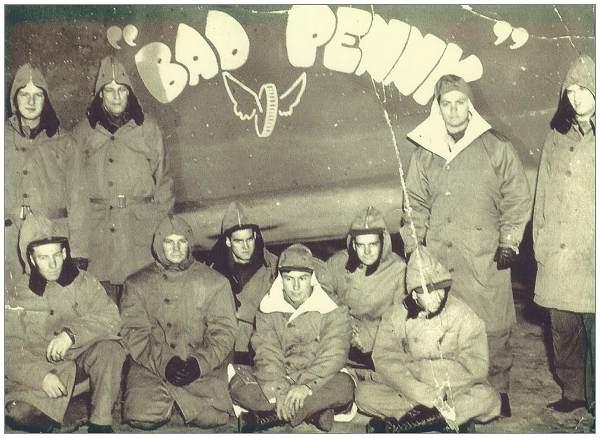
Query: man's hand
[356, 341]
[187, 374]
[504, 257]
[293, 402]
[53, 387]
[58, 347]
[174, 365]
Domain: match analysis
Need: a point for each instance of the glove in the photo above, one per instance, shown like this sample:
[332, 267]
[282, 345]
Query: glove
[189, 373]
[504, 257]
[81, 263]
[174, 365]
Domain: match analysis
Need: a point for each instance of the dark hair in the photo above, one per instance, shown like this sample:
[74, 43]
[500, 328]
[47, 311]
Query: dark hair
[133, 110]
[48, 119]
[354, 262]
[565, 115]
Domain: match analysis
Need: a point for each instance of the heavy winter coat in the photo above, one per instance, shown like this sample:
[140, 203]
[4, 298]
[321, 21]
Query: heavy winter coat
[367, 296]
[564, 215]
[467, 198]
[308, 345]
[130, 162]
[125, 189]
[38, 172]
[249, 294]
[31, 321]
[187, 313]
[412, 354]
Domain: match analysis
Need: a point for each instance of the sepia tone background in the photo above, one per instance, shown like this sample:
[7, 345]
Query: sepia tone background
[335, 154]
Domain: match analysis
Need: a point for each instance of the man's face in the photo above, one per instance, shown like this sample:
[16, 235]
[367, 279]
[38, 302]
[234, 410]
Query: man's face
[430, 302]
[367, 247]
[454, 106]
[176, 248]
[296, 287]
[114, 98]
[30, 101]
[582, 100]
[242, 244]
[48, 259]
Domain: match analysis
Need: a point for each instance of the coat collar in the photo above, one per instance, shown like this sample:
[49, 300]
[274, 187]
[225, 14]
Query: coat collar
[432, 135]
[319, 301]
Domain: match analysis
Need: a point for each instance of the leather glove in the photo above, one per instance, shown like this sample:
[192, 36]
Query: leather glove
[189, 373]
[504, 257]
[174, 365]
[81, 263]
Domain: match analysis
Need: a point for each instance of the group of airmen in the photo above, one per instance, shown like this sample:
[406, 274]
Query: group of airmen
[101, 285]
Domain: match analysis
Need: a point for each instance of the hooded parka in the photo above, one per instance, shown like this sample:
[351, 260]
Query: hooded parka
[187, 311]
[564, 214]
[39, 171]
[368, 295]
[33, 320]
[249, 293]
[126, 189]
[467, 198]
[414, 353]
[306, 346]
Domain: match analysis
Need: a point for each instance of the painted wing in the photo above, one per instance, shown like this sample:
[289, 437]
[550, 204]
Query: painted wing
[292, 96]
[245, 101]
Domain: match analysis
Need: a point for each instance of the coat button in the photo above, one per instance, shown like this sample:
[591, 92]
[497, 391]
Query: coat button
[449, 220]
[110, 160]
[166, 300]
[110, 207]
[571, 148]
[112, 137]
[112, 229]
[25, 172]
[25, 195]
[563, 246]
[110, 184]
[51, 312]
[172, 345]
[169, 325]
[568, 173]
[7, 222]
[451, 270]
[449, 244]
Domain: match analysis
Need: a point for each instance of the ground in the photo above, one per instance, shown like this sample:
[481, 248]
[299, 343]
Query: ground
[532, 387]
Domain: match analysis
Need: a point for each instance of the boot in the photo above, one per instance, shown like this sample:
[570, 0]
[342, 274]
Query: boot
[505, 410]
[468, 427]
[377, 425]
[323, 420]
[566, 405]
[419, 419]
[257, 421]
[99, 428]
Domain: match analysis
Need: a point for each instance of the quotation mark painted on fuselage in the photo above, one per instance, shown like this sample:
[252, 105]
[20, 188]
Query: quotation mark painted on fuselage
[114, 34]
[503, 29]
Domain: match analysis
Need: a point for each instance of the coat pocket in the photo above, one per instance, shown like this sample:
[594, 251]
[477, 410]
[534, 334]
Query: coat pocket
[144, 221]
[480, 247]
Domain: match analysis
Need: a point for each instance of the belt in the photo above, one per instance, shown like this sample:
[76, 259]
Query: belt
[50, 213]
[121, 201]
[56, 213]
